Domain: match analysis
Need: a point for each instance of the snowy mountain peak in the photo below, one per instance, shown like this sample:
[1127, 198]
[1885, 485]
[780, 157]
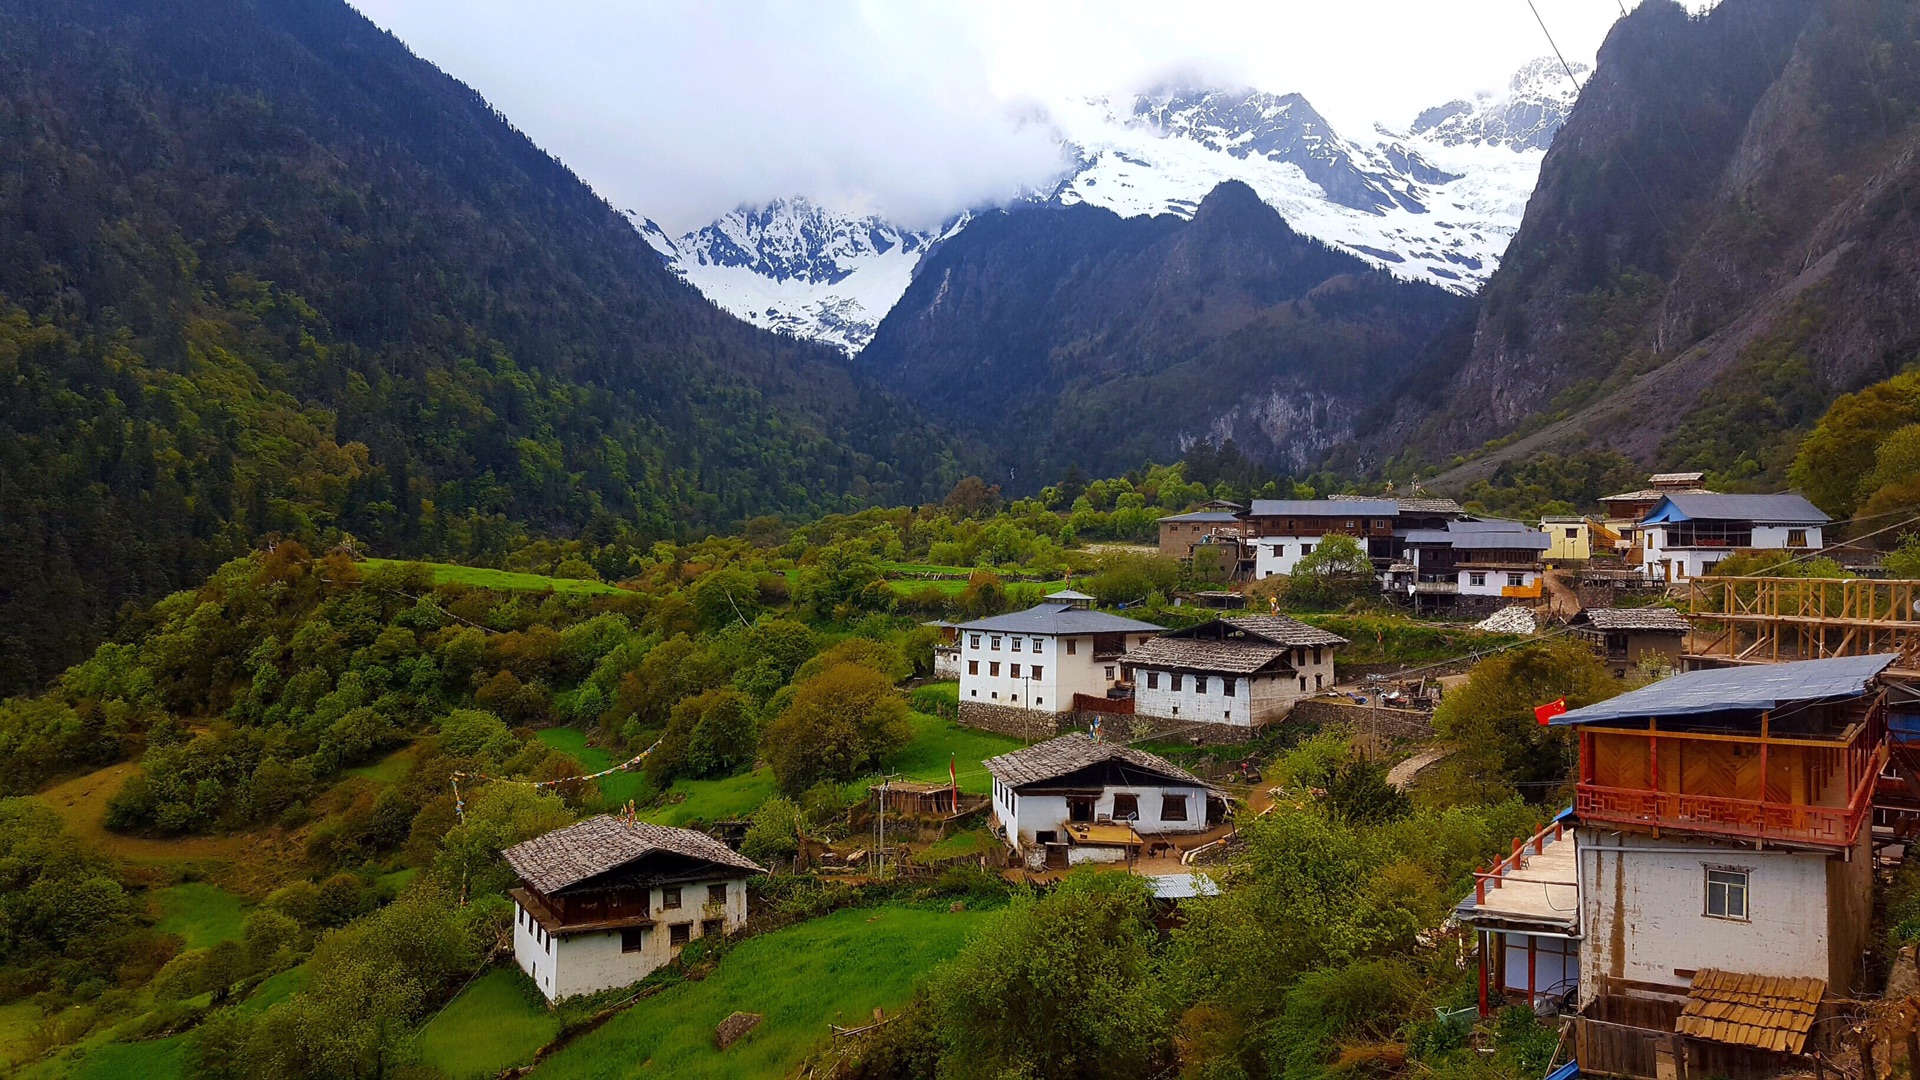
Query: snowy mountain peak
[799, 268]
[1534, 106]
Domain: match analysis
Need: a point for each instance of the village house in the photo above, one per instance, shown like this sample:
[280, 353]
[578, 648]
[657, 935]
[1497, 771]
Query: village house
[1721, 848]
[946, 651]
[1622, 512]
[1623, 637]
[1686, 535]
[604, 902]
[1480, 559]
[1283, 531]
[1570, 539]
[1038, 660]
[1181, 533]
[1077, 799]
[1241, 672]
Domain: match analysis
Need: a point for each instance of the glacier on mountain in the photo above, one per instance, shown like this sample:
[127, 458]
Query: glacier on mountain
[1435, 203]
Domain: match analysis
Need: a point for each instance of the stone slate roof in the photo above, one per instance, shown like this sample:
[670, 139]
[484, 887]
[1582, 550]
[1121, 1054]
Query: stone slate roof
[1075, 751]
[1419, 504]
[571, 855]
[1282, 630]
[1060, 619]
[1240, 657]
[1646, 618]
[1217, 516]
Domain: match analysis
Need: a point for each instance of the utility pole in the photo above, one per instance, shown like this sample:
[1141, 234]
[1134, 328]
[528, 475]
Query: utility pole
[880, 848]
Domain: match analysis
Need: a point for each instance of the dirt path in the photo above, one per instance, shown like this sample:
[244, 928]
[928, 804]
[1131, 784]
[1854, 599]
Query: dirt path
[82, 804]
[1562, 601]
[1401, 775]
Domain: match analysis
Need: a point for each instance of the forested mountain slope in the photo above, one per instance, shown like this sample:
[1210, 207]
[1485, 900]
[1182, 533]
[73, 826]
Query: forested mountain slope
[264, 271]
[1067, 335]
[1725, 237]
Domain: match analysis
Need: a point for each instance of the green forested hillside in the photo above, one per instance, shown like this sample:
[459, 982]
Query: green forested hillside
[264, 271]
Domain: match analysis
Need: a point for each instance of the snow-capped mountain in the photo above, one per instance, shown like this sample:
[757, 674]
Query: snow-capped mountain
[799, 268]
[1524, 118]
[1436, 203]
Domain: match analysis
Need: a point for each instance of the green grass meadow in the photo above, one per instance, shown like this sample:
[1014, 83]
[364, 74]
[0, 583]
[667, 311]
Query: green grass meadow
[616, 788]
[831, 970]
[936, 741]
[203, 915]
[504, 580]
[494, 1024]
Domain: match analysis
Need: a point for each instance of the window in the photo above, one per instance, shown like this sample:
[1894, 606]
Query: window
[1153, 680]
[1316, 654]
[1350, 523]
[976, 641]
[1476, 579]
[1303, 682]
[1013, 670]
[1070, 647]
[670, 897]
[1200, 684]
[1379, 523]
[1036, 644]
[1318, 677]
[1015, 643]
[1034, 671]
[1039, 701]
[1726, 893]
[1144, 639]
[1306, 549]
[1796, 538]
[1109, 672]
[1173, 808]
[1226, 686]
[994, 643]
[716, 894]
[973, 667]
[712, 927]
[1573, 534]
[679, 934]
[1079, 808]
[1516, 580]
[1176, 682]
[1126, 806]
[994, 668]
[633, 939]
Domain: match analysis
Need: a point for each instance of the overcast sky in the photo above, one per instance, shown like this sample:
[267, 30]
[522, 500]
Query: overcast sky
[917, 108]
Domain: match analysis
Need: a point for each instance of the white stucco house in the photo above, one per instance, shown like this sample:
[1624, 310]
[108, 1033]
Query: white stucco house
[1686, 534]
[1244, 671]
[603, 903]
[1038, 659]
[1077, 799]
[1287, 530]
[1481, 558]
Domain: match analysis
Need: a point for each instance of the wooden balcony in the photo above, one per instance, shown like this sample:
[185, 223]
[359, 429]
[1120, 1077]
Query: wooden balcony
[1796, 789]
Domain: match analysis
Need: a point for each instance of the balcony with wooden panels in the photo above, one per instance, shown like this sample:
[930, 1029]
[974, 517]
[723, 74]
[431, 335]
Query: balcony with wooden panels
[1806, 779]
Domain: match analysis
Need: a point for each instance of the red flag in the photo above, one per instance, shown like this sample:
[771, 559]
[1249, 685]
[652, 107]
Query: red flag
[1551, 709]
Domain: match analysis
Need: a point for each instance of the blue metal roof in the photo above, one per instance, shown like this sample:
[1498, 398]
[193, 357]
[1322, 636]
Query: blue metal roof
[1757, 687]
[1347, 508]
[1786, 508]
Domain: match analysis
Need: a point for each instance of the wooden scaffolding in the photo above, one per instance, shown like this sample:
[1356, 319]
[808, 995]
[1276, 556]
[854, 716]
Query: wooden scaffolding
[1766, 620]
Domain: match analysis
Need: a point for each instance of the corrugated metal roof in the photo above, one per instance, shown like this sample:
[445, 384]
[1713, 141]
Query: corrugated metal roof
[1763, 1011]
[1059, 619]
[1211, 516]
[1787, 507]
[1353, 508]
[1482, 535]
[1757, 687]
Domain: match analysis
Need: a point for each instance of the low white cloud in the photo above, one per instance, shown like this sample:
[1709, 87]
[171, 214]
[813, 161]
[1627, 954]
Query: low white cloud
[681, 111]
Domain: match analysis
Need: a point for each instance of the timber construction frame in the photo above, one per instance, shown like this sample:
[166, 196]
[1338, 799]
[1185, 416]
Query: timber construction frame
[1767, 620]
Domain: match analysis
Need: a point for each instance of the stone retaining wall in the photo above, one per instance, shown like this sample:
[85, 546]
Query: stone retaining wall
[1392, 723]
[1034, 726]
[1138, 727]
[1007, 720]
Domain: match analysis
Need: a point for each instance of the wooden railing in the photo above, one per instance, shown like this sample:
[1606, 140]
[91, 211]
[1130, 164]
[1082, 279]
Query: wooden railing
[1532, 845]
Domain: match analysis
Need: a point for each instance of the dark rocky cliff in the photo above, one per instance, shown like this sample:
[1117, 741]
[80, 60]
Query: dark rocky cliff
[1069, 335]
[1724, 237]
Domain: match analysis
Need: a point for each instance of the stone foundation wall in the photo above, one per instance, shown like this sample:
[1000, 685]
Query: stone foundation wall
[1139, 726]
[1606, 596]
[1392, 723]
[1019, 723]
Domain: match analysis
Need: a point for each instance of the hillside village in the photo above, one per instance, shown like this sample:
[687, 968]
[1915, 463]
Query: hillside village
[603, 799]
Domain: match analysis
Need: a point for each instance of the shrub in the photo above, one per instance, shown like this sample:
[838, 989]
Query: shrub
[840, 724]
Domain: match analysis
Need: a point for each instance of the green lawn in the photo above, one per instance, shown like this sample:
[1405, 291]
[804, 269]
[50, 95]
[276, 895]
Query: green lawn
[491, 1026]
[274, 989]
[505, 580]
[154, 1059]
[17, 1022]
[970, 842]
[936, 740]
[387, 770]
[203, 915]
[617, 788]
[730, 799]
[831, 970]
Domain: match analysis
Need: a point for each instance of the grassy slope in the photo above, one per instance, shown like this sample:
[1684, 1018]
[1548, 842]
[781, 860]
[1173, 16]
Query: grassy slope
[617, 787]
[17, 1022]
[935, 741]
[505, 580]
[203, 915]
[492, 1025]
[831, 970]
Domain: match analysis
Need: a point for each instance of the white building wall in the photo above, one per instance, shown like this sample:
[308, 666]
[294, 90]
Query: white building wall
[1687, 563]
[1063, 673]
[1280, 554]
[564, 965]
[1156, 696]
[1493, 581]
[1022, 817]
[1556, 964]
[946, 663]
[1643, 911]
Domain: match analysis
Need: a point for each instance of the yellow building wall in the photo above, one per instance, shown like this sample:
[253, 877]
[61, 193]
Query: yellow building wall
[1577, 546]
